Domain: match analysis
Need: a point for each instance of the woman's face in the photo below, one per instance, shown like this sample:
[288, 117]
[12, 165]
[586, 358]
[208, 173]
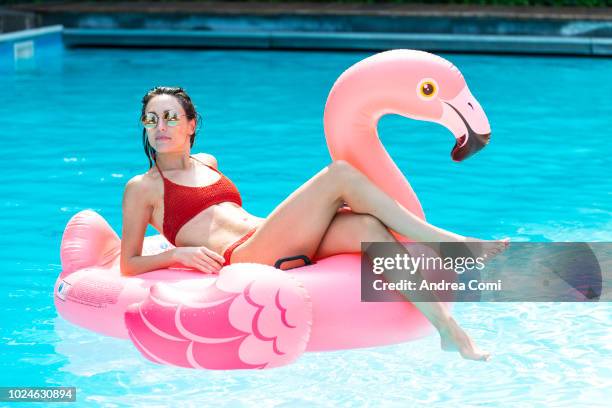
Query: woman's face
[167, 126]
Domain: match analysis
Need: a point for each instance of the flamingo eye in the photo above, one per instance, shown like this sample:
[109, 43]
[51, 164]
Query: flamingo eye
[427, 89]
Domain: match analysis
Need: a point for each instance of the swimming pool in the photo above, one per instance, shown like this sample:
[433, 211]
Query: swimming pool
[74, 140]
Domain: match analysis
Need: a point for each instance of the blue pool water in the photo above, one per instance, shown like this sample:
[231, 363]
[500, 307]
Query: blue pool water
[72, 140]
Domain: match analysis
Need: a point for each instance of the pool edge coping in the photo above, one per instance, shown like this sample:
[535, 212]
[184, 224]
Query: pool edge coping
[31, 33]
[299, 40]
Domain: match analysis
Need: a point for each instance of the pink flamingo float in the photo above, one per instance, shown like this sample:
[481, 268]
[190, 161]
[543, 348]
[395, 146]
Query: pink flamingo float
[256, 316]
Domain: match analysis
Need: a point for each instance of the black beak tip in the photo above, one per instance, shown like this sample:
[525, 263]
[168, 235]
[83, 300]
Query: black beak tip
[475, 142]
[486, 138]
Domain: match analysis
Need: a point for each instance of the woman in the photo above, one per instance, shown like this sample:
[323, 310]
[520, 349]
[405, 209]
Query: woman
[199, 210]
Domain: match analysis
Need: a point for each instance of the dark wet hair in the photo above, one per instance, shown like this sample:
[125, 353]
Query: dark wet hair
[184, 100]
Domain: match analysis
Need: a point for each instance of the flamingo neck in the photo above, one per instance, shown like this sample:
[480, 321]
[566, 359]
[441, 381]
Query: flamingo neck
[355, 139]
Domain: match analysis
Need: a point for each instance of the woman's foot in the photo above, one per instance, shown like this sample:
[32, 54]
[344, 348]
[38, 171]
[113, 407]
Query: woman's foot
[486, 249]
[473, 248]
[454, 338]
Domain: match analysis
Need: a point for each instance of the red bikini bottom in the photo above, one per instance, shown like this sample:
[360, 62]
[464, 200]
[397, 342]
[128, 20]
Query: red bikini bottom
[227, 255]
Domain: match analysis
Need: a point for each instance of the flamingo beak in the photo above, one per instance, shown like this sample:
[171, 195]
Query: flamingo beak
[464, 117]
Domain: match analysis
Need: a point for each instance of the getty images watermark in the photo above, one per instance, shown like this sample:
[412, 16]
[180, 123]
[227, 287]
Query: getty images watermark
[472, 271]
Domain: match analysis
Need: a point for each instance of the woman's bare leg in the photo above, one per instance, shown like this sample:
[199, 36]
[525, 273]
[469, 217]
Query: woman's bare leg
[345, 234]
[365, 197]
[299, 223]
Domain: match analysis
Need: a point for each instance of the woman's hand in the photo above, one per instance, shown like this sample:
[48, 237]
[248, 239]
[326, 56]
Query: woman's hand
[200, 258]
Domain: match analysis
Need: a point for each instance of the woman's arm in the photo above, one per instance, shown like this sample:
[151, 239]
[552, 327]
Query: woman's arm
[137, 210]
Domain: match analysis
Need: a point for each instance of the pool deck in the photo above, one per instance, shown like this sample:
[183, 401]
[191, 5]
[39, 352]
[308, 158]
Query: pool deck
[268, 8]
[334, 26]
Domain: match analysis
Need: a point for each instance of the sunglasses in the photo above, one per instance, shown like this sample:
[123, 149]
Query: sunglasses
[150, 119]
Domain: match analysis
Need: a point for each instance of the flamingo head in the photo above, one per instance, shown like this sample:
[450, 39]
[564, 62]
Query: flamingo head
[436, 91]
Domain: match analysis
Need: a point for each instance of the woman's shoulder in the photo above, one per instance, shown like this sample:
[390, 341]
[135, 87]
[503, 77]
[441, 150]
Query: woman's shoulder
[206, 158]
[143, 186]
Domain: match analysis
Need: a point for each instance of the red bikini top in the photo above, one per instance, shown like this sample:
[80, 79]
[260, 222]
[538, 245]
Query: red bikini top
[182, 203]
